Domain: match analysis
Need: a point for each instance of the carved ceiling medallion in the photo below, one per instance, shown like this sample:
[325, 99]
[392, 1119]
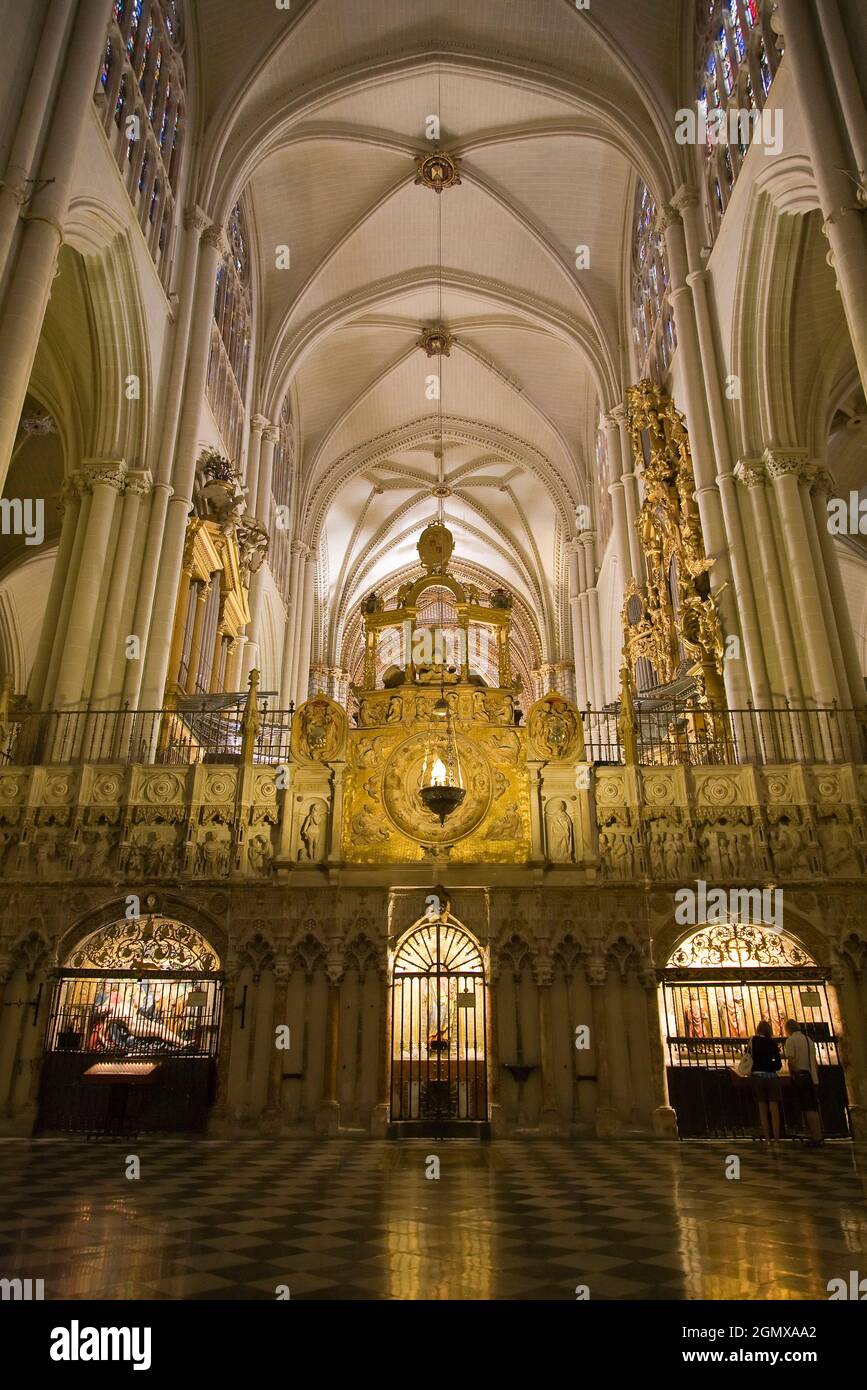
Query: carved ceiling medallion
[437, 170]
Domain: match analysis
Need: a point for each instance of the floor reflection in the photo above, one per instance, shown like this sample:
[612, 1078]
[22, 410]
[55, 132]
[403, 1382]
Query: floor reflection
[513, 1219]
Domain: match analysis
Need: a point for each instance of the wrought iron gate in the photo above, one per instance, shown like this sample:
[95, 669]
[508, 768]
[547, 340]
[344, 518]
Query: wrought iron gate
[127, 1051]
[438, 1039]
[709, 1020]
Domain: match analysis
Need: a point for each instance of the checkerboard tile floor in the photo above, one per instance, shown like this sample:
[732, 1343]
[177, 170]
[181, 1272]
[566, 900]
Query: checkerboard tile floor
[360, 1220]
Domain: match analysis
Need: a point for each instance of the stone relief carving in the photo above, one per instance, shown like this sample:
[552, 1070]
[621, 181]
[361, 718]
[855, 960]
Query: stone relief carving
[838, 847]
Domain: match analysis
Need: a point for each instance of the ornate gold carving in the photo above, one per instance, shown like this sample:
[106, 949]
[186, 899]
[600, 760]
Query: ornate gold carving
[673, 617]
[555, 729]
[319, 731]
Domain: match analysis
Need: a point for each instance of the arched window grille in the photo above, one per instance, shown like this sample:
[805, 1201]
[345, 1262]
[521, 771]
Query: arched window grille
[140, 92]
[229, 358]
[279, 549]
[737, 59]
[652, 315]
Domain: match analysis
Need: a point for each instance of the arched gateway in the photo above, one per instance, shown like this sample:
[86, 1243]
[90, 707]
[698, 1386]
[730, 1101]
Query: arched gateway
[439, 1082]
[717, 985]
[133, 1033]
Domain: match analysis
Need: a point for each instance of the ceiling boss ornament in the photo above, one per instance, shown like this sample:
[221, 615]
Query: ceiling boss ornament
[436, 341]
[437, 170]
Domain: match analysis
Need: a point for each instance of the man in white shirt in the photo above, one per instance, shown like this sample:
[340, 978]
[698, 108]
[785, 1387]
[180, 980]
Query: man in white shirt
[803, 1069]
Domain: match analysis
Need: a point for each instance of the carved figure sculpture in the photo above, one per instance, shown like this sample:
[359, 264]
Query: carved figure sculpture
[560, 833]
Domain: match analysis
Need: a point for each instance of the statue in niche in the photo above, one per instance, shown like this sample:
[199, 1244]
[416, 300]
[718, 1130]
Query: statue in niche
[312, 833]
[260, 854]
[559, 833]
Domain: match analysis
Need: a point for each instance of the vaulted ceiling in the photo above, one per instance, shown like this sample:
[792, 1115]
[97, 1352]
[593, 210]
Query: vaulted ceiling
[315, 115]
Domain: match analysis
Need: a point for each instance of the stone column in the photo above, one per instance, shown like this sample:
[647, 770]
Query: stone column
[543, 975]
[195, 222]
[751, 474]
[293, 613]
[842, 211]
[822, 486]
[106, 687]
[328, 1117]
[220, 1119]
[34, 110]
[160, 636]
[574, 591]
[707, 495]
[273, 1117]
[663, 1117]
[31, 275]
[596, 968]
[267, 440]
[631, 499]
[70, 508]
[785, 467]
[106, 478]
[616, 492]
[588, 540]
[305, 629]
[270, 437]
[258, 423]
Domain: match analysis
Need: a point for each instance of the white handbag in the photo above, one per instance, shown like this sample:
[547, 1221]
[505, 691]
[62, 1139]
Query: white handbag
[744, 1065]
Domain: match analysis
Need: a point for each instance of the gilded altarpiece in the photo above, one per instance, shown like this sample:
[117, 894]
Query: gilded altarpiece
[385, 821]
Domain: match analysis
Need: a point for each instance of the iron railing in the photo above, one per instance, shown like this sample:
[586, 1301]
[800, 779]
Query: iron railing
[666, 736]
[200, 733]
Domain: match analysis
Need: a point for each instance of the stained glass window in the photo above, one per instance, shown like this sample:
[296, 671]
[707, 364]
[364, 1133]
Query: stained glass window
[105, 70]
[737, 55]
[133, 27]
[651, 313]
[142, 75]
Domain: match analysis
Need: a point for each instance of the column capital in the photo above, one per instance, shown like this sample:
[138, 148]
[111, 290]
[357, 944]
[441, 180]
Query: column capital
[196, 219]
[751, 472]
[573, 546]
[139, 482]
[299, 548]
[667, 216]
[258, 424]
[685, 197]
[824, 482]
[587, 537]
[618, 414]
[215, 237]
[111, 472]
[787, 462]
[271, 433]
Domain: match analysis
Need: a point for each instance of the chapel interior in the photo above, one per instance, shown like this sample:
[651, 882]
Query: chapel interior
[433, 622]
